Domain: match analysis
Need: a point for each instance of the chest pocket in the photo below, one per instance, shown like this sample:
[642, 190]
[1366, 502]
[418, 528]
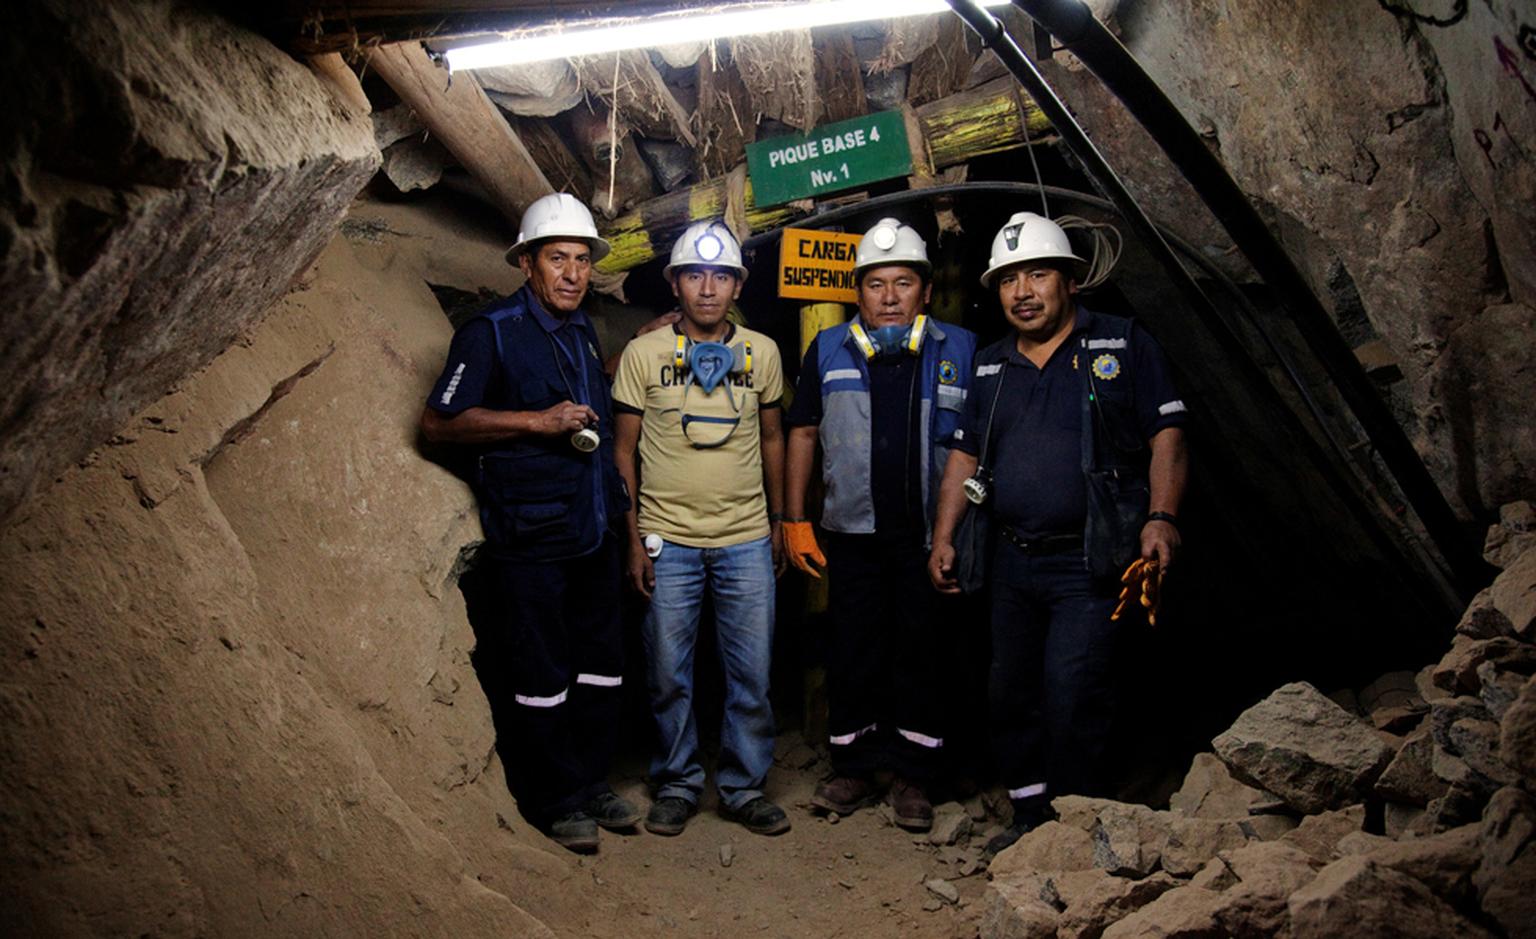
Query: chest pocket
[1115, 415]
[537, 392]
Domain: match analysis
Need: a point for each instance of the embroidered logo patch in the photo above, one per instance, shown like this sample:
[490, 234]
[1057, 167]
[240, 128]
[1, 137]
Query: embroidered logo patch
[949, 372]
[1106, 367]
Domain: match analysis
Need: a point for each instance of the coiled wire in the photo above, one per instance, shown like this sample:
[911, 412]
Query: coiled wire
[1107, 243]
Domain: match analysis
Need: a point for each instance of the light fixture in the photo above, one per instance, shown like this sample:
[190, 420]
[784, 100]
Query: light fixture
[682, 28]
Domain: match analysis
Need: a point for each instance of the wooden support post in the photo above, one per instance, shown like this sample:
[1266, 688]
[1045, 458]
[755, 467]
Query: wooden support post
[467, 123]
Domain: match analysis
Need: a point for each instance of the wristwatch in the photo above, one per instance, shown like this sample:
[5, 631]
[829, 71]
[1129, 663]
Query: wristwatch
[1163, 517]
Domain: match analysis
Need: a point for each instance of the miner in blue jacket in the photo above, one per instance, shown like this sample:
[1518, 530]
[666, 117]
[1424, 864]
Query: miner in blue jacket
[881, 396]
[524, 389]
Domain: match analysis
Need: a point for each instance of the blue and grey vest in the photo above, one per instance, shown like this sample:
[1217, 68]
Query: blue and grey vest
[945, 363]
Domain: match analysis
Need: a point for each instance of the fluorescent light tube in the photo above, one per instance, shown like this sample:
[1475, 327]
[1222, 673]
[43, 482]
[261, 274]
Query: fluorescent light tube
[679, 29]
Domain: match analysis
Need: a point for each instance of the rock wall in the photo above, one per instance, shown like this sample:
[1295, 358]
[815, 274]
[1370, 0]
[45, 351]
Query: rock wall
[164, 176]
[1391, 143]
[238, 698]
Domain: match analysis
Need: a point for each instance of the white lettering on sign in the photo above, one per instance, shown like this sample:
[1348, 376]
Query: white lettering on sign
[821, 178]
[795, 153]
[811, 149]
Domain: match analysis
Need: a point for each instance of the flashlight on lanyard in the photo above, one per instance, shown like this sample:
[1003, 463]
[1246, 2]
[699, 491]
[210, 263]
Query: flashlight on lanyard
[585, 440]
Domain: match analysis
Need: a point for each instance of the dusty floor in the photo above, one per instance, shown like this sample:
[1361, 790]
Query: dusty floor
[854, 877]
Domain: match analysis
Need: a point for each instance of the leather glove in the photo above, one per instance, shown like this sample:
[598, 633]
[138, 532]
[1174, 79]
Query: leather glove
[800, 544]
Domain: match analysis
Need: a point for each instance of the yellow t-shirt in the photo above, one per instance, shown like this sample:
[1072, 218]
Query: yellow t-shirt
[705, 498]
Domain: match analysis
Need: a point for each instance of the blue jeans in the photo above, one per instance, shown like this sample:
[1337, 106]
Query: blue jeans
[740, 579]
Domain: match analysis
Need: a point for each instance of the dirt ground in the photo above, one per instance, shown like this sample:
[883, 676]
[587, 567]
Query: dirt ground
[858, 876]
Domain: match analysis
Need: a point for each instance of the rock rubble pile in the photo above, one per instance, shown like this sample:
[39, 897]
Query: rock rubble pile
[1403, 808]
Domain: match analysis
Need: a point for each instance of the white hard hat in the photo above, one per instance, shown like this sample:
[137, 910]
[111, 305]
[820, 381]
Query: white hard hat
[1027, 237]
[558, 215]
[891, 242]
[710, 243]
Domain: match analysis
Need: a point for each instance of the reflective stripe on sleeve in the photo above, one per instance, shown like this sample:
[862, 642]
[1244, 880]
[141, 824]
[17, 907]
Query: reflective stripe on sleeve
[1038, 789]
[453, 384]
[602, 681]
[932, 743]
[845, 739]
[535, 701]
[1175, 406]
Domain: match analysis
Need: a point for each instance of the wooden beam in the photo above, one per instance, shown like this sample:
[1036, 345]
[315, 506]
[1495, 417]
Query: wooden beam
[466, 122]
[641, 95]
[942, 68]
[561, 167]
[649, 230]
[948, 132]
[779, 70]
[342, 81]
[839, 78]
[987, 119]
[726, 120]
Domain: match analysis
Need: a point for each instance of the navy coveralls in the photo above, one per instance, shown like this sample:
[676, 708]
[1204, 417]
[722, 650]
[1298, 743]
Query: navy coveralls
[551, 556]
[1069, 497]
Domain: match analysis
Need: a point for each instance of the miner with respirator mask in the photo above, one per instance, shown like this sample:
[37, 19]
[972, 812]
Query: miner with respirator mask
[882, 396]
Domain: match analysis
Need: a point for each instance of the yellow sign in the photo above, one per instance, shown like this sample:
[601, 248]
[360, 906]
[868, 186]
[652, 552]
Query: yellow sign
[817, 265]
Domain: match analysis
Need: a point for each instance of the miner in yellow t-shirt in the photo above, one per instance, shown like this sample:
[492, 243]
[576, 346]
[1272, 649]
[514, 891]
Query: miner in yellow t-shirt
[698, 435]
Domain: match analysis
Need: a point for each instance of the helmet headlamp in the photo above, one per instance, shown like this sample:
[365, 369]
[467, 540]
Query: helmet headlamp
[708, 246]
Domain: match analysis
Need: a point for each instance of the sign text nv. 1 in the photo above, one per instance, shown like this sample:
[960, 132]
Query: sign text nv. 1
[836, 156]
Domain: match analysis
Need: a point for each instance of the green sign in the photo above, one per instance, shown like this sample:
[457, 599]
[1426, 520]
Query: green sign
[836, 156]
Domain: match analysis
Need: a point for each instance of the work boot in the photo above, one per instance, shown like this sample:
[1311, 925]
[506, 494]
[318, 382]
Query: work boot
[669, 815]
[843, 794]
[910, 803]
[759, 816]
[613, 811]
[574, 832]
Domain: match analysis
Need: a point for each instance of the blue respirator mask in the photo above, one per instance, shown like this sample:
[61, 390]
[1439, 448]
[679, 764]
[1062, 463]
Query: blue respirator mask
[889, 340]
[709, 366]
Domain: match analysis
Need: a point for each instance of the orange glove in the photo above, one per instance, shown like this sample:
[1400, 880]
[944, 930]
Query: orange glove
[800, 545]
[1143, 587]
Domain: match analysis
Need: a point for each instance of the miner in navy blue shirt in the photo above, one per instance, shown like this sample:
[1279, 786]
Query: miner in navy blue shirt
[524, 391]
[1074, 431]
